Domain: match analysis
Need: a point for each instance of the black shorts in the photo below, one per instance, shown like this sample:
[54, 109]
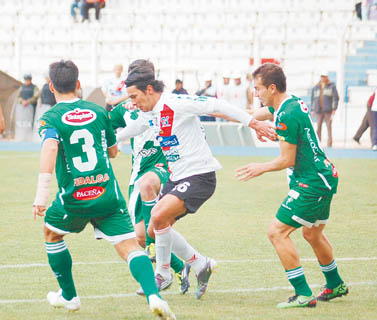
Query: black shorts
[193, 190]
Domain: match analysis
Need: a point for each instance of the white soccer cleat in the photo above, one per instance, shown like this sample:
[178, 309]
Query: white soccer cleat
[57, 301]
[160, 308]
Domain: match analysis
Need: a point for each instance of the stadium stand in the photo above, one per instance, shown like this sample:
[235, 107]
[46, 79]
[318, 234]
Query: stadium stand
[190, 38]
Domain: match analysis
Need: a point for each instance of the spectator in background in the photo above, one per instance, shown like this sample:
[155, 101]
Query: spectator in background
[114, 89]
[374, 113]
[324, 103]
[96, 4]
[224, 90]
[25, 109]
[208, 91]
[366, 123]
[239, 91]
[253, 102]
[76, 5]
[46, 101]
[179, 87]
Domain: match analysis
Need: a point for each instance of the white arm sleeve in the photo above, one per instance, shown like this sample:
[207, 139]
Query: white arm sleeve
[230, 110]
[133, 129]
[43, 189]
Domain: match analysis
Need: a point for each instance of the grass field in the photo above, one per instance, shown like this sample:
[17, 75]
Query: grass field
[230, 227]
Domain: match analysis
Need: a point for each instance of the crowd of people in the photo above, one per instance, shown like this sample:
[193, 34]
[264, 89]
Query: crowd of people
[173, 174]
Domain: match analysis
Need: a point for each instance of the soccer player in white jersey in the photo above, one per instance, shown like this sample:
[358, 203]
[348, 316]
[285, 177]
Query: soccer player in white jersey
[193, 180]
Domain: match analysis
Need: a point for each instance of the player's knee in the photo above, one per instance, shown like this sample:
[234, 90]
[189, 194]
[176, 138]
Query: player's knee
[141, 239]
[51, 236]
[148, 189]
[158, 218]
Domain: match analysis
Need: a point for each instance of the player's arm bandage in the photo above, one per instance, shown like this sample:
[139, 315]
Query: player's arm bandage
[232, 111]
[43, 189]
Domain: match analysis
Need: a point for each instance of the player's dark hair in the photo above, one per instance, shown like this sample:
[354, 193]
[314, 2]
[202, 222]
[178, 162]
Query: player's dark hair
[178, 81]
[140, 63]
[64, 75]
[271, 73]
[143, 76]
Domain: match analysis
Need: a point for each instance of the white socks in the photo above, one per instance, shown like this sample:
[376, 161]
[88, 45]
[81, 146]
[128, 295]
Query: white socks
[163, 251]
[168, 240]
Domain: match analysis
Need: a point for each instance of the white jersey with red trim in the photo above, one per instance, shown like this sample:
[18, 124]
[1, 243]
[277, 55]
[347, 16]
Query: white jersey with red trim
[181, 135]
[178, 131]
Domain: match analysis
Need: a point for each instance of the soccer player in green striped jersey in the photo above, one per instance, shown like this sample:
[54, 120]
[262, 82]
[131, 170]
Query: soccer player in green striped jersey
[78, 140]
[313, 181]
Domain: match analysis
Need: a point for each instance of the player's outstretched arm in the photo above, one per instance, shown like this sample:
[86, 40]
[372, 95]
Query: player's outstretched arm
[286, 159]
[263, 129]
[49, 153]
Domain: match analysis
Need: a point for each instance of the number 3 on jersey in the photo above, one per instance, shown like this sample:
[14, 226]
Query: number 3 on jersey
[87, 147]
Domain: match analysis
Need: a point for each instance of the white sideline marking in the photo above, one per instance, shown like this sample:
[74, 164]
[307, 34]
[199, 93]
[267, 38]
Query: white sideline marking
[245, 290]
[34, 265]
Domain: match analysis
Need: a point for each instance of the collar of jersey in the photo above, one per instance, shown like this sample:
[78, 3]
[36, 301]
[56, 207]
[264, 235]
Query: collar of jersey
[289, 97]
[159, 103]
[70, 101]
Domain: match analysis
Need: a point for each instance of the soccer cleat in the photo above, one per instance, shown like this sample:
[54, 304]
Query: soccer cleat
[298, 301]
[162, 284]
[183, 278]
[57, 301]
[160, 308]
[327, 294]
[203, 277]
[150, 250]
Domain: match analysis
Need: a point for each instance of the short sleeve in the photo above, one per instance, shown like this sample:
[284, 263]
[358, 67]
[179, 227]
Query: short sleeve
[47, 131]
[110, 135]
[287, 128]
[117, 117]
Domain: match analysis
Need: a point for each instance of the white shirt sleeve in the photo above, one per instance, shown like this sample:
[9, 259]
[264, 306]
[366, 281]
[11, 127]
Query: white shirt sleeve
[133, 129]
[230, 110]
[198, 105]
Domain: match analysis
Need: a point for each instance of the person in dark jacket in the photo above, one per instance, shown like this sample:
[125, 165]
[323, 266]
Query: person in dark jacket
[324, 103]
[179, 87]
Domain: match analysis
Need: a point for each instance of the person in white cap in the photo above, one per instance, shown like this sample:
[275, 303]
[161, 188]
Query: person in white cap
[239, 92]
[224, 90]
[324, 103]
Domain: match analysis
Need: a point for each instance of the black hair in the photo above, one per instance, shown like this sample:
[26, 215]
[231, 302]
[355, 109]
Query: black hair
[271, 73]
[140, 63]
[178, 81]
[64, 75]
[142, 76]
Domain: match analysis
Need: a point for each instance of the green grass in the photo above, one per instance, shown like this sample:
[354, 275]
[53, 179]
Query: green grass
[232, 226]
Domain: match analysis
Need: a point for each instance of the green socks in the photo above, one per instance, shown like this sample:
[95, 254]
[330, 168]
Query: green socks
[142, 270]
[332, 276]
[60, 262]
[297, 279]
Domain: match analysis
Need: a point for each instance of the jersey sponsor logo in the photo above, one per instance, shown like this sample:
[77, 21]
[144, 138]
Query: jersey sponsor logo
[159, 165]
[167, 142]
[99, 178]
[303, 185]
[79, 117]
[329, 164]
[89, 193]
[42, 123]
[148, 152]
[171, 155]
[312, 144]
[166, 121]
[281, 126]
[303, 106]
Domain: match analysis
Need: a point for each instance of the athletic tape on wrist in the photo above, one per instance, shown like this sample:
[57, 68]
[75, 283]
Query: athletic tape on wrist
[43, 189]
